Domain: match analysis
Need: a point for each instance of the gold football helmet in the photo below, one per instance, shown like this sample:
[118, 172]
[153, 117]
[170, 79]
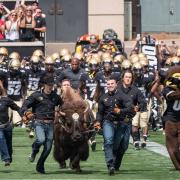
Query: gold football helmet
[168, 61]
[38, 52]
[136, 66]
[64, 52]
[92, 61]
[55, 56]
[141, 55]
[66, 58]
[49, 60]
[134, 58]
[79, 55]
[14, 64]
[35, 59]
[14, 55]
[144, 61]
[170, 82]
[107, 60]
[106, 55]
[3, 51]
[97, 57]
[178, 52]
[119, 58]
[126, 64]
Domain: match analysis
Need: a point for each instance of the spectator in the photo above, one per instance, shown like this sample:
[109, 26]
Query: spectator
[21, 11]
[12, 27]
[2, 26]
[5, 12]
[27, 25]
[2, 23]
[35, 5]
[40, 23]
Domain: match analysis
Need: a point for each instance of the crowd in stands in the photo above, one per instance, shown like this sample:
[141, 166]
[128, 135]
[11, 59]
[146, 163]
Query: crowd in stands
[23, 23]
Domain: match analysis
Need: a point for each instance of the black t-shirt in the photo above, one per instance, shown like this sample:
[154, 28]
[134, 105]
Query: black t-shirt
[40, 22]
[172, 112]
[74, 77]
[108, 102]
[43, 105]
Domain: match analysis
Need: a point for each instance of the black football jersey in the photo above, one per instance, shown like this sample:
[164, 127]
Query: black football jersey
[102, 80]
[90, 84]
[143, 83]
[34, 78]
[173, 106]
[15, 84]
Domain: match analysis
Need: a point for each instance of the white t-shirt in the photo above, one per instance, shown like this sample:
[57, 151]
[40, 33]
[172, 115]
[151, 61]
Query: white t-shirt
[13, 33]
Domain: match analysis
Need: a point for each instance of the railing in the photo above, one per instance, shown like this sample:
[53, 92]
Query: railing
[25, 48]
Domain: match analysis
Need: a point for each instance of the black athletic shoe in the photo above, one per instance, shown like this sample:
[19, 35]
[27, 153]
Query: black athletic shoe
[32, 157]
[7, 163]
[143, 144]
[111, 171]
[136, 146]
[40, 170]
[93, 146]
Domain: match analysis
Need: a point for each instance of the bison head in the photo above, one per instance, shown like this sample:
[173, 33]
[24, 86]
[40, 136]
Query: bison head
[74, 121]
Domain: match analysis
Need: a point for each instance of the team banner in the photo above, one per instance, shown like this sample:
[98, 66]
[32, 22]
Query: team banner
[150, 51]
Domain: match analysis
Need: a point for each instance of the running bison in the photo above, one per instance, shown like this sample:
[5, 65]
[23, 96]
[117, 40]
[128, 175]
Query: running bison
[72, 131]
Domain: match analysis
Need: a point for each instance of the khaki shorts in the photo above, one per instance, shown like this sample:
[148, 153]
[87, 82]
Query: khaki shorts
[140, 119]
[13, 115]
[29, 93]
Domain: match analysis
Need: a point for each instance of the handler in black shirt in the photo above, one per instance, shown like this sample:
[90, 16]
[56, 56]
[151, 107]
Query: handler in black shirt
[112, 111]
[6, 126]
[43, 105]
[129, 91]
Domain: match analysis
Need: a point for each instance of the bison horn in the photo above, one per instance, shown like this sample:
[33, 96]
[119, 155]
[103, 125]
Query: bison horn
[86, 109]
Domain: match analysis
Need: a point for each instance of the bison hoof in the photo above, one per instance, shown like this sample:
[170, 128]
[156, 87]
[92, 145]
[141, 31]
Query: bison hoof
[62, 165]
[78, 170]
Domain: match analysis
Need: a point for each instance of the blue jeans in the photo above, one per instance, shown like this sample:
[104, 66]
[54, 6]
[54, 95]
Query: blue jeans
[6, 143]
[116, 141]
[44, 136]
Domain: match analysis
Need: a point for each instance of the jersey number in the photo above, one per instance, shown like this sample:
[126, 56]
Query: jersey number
[14, 89]
[33, 85]
[92, 90]
[176, 105]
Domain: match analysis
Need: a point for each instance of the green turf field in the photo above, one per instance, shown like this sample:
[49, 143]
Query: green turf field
[136, 164]
[157, 136]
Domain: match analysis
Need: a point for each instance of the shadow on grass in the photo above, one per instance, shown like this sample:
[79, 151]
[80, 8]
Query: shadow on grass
[68, 171]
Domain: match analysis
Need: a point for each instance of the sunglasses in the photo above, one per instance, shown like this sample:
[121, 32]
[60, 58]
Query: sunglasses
[39, 12]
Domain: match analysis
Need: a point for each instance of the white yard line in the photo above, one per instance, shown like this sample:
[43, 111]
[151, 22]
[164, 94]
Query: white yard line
[155, 147]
